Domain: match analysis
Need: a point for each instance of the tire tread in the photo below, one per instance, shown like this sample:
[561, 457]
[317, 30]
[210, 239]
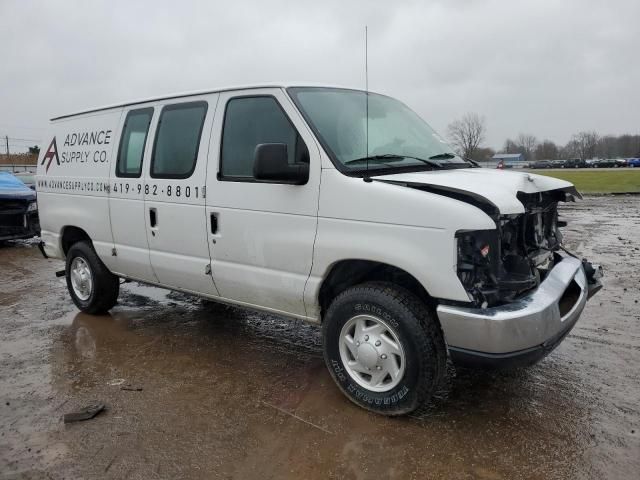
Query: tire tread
[433, 340]
[106, 284]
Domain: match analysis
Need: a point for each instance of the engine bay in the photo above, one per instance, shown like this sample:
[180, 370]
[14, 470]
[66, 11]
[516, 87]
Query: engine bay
[497, 266]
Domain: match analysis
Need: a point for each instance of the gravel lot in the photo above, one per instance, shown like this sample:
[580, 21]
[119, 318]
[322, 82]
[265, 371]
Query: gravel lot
[228, 393]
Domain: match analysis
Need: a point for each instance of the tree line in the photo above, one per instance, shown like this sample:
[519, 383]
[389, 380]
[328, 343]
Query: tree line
[468, 133]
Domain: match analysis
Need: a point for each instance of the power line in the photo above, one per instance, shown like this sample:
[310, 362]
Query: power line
[23, 139]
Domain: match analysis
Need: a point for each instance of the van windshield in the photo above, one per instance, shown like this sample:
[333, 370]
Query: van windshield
[397, 137]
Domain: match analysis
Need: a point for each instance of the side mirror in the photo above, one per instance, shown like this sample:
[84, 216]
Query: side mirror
[271, 163]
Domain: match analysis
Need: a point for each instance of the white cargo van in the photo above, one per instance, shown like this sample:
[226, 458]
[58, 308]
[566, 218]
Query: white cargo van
[331, 205]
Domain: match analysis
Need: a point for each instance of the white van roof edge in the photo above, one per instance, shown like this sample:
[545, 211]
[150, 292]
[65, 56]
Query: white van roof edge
[199, 92]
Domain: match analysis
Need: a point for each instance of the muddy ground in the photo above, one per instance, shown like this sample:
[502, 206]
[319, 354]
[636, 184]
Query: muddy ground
[228, 393]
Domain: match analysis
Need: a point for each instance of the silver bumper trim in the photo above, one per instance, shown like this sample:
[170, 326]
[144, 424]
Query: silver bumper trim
[528, 322]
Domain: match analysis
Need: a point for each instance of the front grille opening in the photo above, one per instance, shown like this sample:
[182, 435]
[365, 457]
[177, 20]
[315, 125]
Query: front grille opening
[569, 298]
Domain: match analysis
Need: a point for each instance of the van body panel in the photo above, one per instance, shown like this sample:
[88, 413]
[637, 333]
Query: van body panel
[126, 207]
[178, 246]
[73, 180]
[409, 229]
[262, 249]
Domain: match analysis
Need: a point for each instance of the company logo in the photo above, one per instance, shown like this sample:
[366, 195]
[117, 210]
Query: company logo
[52, 152]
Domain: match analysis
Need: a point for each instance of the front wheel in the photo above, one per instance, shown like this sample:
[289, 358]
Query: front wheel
[384, 348]
[93, 288]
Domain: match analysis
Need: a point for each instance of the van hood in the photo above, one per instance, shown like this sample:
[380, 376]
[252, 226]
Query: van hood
[497, 187]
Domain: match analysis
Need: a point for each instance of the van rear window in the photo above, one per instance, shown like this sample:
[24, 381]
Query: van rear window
[132, 142]
[177, 140]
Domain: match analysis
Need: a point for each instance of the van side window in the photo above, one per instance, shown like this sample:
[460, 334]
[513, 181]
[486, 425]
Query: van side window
[248, 122]
[175, 149]
[132, 142]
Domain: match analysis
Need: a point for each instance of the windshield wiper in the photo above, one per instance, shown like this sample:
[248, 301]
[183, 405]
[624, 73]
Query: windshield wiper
[443, 156]
[388, 156]
[385, 156]
[430, 161]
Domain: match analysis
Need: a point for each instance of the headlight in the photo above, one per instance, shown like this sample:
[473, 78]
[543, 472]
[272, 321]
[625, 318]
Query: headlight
[478, 253]
[495, 266]
[33, 207]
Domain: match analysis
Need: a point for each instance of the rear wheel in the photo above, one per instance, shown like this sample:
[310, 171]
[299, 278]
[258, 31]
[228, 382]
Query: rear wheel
[384, 348]
[93, 288]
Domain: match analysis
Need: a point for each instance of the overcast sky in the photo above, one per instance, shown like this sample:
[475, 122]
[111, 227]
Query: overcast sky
[545, 67]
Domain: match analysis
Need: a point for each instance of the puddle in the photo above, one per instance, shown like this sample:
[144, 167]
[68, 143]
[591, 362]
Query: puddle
[236, 394]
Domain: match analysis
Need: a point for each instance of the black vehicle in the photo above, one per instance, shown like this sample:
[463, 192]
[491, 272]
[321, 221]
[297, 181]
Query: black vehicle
[18, 209]
[621, 162]
[605, 163]
[575, 163]
[542, 164]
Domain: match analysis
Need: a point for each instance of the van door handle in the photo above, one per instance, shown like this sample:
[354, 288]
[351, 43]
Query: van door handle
[214, 223]
[153, 218]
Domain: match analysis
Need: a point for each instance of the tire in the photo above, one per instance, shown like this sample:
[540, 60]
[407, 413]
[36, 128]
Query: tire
[418, 334]
[96, 288]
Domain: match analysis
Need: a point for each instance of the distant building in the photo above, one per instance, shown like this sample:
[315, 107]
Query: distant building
[508, 159]
[18, 162]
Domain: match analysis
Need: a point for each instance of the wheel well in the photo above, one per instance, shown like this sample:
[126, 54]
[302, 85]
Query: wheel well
[71, 235]
[348, 273]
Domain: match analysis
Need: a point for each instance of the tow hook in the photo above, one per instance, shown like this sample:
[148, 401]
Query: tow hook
[594, 274]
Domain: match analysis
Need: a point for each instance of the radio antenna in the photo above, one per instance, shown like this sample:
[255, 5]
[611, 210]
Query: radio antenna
[366, 92]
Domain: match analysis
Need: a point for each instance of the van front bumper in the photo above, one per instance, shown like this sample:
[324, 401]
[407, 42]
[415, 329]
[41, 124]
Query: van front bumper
[522, 332]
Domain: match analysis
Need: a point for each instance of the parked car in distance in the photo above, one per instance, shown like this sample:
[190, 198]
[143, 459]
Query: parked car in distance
[542, 164]
[606, 163]
[18, 209]
[574, 163]
[591, 162]
[633, 162]
[621, 162]
[277, 199]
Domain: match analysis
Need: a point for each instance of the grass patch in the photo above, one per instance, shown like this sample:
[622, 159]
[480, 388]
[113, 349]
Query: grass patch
[624, 180]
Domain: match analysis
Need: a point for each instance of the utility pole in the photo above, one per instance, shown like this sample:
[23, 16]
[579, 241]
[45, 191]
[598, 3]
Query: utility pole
[6, 139]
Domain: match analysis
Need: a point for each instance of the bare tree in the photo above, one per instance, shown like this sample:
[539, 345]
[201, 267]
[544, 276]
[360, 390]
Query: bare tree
[511, 147]
[546, 150]
[484, 154]
[467, 133]
[527, 144]
[585, 144]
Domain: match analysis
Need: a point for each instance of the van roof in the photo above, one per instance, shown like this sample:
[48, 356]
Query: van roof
[200, 92]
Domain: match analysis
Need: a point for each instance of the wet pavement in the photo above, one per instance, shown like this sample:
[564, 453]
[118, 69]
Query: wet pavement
[228, 393]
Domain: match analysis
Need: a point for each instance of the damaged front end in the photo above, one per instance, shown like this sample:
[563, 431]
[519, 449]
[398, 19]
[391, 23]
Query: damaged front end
[497, 266]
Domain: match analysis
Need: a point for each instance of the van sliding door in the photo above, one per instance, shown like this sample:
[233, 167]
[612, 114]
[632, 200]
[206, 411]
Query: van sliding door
[175, 192]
